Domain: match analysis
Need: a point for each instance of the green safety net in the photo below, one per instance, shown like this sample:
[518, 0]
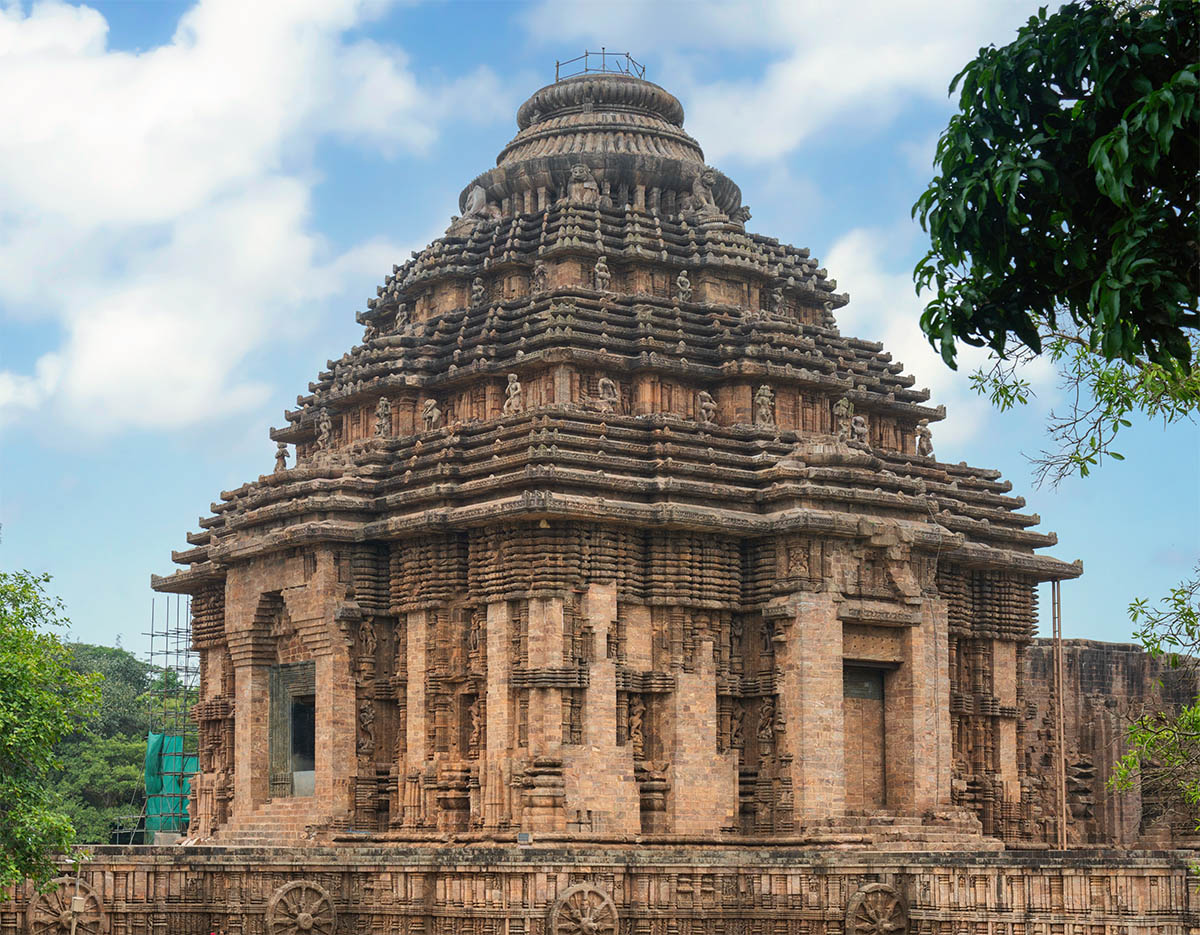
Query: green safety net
[168, 782]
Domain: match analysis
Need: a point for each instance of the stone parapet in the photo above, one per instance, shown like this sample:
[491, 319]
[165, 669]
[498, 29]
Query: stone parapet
[713, 890]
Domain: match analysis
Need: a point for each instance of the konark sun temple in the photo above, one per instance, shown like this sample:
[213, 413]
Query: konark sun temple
[614, 591]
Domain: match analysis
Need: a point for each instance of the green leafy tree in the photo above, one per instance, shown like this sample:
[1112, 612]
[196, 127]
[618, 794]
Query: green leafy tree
[42, 700]
[1164, 746]
[1063, 219]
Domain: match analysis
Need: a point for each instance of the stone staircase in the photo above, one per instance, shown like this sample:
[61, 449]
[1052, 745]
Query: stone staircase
[887, 831]
[275, 822]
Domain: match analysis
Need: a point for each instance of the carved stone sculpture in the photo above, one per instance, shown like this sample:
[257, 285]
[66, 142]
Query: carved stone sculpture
[877, 909]
[582, 188]
[766, 721]
[383, 418]
[764, 406]
[610, 397]
[478, 292]
[477, 205]
[843, 409]
[402, 318]
[777, 300]
[324, 429]
[431, 415]
[707, 406]
[603, 275]
[637, 719]
[540, 281]
[684, 286]
[366, 727]
[281, 456]
[703, 202]
[741, 215]
[583, 909]
[859, 431]
[924, 439]
[512, 395]
[54, 911]
[300, 907]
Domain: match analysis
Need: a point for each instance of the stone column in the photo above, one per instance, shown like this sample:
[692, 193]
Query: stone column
[703, 784]
[411, 795]
[599, 774]
[1004, 687]
[917, 716]
[544, 792]
[500, 736]
[809, 687]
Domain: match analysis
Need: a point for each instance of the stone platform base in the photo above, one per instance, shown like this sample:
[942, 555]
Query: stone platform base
[596, 890]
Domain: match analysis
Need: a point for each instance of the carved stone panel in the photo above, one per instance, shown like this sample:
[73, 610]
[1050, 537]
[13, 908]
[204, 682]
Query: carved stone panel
[583, 909]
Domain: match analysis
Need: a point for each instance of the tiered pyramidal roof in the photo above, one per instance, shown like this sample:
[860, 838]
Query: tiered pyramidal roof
[597, 336]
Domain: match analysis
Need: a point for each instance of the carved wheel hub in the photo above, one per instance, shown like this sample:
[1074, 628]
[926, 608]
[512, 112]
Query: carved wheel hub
[302, 906]
[583, 910]
[877, 909]
[50, 913]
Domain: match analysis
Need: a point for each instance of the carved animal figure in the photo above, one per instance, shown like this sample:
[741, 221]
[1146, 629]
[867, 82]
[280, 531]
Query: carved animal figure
[431, 414]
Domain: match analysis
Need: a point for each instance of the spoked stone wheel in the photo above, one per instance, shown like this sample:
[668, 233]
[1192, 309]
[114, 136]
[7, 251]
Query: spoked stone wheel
[301, 908]
[583, 910]
[877, 909]
[51, 913]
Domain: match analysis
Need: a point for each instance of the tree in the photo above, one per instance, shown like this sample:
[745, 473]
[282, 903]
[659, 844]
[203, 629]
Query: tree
[1165, 747]
[1063, 219]
[42, 700]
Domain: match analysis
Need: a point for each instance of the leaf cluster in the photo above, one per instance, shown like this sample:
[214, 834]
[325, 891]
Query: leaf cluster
[1165, 745]
[42, 700]
[1065, 199]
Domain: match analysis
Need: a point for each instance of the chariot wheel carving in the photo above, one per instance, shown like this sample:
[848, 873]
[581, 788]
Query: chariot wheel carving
[877, 909]
[583, 909]
[301, 908]
[52, 912]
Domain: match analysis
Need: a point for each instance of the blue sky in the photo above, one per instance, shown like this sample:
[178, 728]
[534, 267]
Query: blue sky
[195, 198]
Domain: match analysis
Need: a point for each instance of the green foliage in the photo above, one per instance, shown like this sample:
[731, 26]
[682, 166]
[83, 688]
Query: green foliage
[126, 680]
[1066, 195]
[42, 700]
[1163, 745]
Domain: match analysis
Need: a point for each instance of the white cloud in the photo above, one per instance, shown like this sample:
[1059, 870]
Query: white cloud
[884, 307]
[829, 65]
[156, 205]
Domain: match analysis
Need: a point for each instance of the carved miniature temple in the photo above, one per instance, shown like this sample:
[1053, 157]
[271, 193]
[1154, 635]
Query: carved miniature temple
[606, 530]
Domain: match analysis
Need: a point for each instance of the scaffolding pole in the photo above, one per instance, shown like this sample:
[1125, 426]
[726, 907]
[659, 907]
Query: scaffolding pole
[1060, 759]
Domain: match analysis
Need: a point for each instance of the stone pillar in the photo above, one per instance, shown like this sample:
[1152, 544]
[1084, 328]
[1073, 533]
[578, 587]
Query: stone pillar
[251, 777]
[337, 730]
[500, 736]
[703, 784]
[809, 687]
[1004, 687]
[599, 774]
[412, 795]
[544, 793]
[917, 716]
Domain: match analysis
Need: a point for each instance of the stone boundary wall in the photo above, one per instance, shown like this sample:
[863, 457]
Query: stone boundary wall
[542, 890]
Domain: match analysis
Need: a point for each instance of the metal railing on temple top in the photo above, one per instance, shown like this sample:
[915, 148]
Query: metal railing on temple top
[602, 62]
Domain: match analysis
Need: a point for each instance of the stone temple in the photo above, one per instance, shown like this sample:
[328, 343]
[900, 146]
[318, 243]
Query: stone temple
[614, 589]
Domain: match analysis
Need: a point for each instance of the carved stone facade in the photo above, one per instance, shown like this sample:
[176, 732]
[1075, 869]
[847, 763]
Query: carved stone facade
[627, 890]
[606, 535]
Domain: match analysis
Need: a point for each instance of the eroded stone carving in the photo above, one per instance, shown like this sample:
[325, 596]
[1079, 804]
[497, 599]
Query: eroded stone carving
[707, 406]
[582, 188]
[300, 907]
[383, 418]
[684, 286]
[703, 202]
[843, 409]
[602, 274]
[540, 281]
[512, 395]
[281, 456]
[859, 430]
[877, 909]
[478, 292]
[583, 909]
[764, 406]
[324, 429]
[924, 439]
[610, 396]
[56, 910]
[431, 415]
